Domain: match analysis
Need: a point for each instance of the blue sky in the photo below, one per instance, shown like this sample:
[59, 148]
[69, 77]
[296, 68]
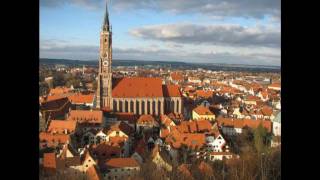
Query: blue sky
[169, 30]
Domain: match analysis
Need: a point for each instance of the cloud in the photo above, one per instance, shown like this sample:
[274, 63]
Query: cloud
[89, 4]
[217, 8]
[231, 35]
[53, 48]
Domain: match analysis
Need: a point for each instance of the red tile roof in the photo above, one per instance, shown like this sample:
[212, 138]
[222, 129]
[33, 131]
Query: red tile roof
[201, 110]
[53, 138]
[59, 90]
[267, 111]
[176, 76]
[121, 126]
[192, 140]
[146, 119]
[171, 91]
[55, 97]
[93, 173]
[86, 116]
[81, 98]
[137, 87]
[105, 151]
[55, 108]
[275, 85]
[165, 120]
[241, 123]
[121, 163]
[59, 126]
[204, 94]
[49, 160]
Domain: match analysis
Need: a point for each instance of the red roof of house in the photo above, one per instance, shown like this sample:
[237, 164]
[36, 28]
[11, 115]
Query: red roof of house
[59, 90]
[146, 119]
[55, 97]
[137, 87]
[104, 151]
[165, 120]
[93, 173]
[204, 94]
[267, 110]
[121, 163]
[59, 126]
[276, 85]
[121, 126]
[52, 138]
[49, 160]
[241, 123]
[86, 116]
[171, 91]
[201, 110]
[176, 76]
[81, 98]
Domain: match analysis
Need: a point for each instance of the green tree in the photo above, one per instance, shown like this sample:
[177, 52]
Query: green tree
[260, 138]
[59, 79]
[43, 88]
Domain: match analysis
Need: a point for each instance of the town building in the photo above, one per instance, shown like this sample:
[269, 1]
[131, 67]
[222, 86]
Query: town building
[139, 95]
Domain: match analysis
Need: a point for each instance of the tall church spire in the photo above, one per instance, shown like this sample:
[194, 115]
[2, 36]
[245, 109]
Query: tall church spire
[106, 25]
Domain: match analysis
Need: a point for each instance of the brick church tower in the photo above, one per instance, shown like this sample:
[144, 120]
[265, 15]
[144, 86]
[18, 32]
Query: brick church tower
[104, 91]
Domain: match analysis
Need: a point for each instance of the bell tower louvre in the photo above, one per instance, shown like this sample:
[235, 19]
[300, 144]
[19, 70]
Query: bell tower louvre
[104, 88]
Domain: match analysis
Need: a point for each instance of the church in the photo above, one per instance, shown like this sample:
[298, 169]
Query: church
[139, 95]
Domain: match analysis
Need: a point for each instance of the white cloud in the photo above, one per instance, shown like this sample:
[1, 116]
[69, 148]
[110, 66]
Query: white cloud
[221, 34]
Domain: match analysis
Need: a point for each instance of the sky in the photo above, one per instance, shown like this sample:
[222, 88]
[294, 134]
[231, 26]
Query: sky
[203, 31]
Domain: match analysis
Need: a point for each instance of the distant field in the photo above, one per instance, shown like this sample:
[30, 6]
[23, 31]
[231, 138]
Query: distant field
[175, 65]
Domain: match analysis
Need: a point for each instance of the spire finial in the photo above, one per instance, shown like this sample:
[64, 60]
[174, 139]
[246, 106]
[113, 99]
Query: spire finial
[106, 25]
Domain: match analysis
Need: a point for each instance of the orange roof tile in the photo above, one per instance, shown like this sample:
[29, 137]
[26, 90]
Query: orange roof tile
[117, 141]
[52, 138]
[165, 120]
[201, 110]
[204, 94]
[59, 90]
[49, 160]
[86, 116]
[176, 76]
[137, 87]
[121, 126]
[267, 111]
[104, 151]
[59, 126]
[276, 85]
[121, 163]
[93, 173]
[171, 91]
[81, 98]
[164, 132]
[241, 123]
[55, 97]
[146, 119]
